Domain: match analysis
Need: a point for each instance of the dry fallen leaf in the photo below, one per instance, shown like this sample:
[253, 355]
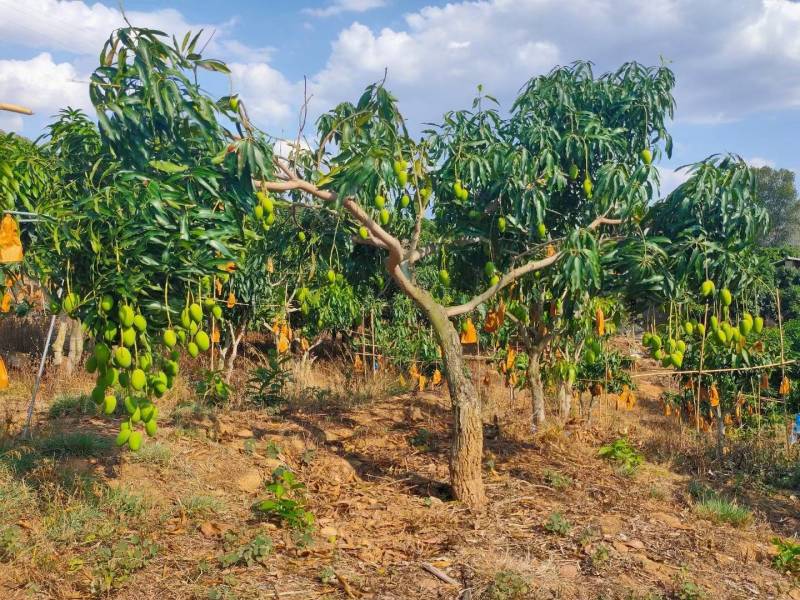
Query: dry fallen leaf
[210, 529]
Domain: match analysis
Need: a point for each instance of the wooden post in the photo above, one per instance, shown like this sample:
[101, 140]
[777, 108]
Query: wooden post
[372, 332]
[700, 372]
[38, 381]
[783, 364]
[364, 344]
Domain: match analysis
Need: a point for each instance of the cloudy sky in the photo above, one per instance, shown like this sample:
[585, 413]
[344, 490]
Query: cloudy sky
[737, 62]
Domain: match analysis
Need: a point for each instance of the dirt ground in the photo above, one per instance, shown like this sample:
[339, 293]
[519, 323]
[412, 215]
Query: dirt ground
[561, 522]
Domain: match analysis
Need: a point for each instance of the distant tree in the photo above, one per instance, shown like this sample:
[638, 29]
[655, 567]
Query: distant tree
[777, 190]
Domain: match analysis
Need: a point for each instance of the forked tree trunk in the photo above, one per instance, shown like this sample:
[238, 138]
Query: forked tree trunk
[236, 339]
[536, 387]
[466, 452]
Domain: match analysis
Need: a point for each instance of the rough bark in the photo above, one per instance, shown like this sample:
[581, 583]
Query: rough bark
[75, 346]
[466, 451]
[564, 400]
[536, 387]
[58, 343]
[236, 339]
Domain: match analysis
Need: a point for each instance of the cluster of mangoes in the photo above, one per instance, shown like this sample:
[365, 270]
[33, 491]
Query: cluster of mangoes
[125, 362]
[264, 210]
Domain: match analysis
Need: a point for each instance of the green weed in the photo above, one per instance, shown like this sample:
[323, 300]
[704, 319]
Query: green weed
[624, 455]
[788, 558]
[508, 585]
[557, 479]
[257, 550]
[556, 523]
[200, 506]
[75, 443]
[287, 505]
[115, 564]
[154, 453]
[72, 406]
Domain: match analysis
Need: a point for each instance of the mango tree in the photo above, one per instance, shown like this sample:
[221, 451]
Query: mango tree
[715, 282]
[150, 213]
[491, 188]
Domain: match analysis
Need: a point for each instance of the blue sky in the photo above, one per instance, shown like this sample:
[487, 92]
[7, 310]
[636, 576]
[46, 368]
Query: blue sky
[737, 63]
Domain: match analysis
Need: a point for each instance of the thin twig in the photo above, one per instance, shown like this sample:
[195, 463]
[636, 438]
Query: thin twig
[439, 574]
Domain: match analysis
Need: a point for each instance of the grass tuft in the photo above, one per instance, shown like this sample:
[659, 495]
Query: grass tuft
[708, 504]
[72, 406]
[201, 506]
[153, 453]
[76, 443]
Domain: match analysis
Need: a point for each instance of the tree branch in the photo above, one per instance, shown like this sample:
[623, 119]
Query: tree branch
[15, 108]
[505, 280]
[378, 234]
[508, 278]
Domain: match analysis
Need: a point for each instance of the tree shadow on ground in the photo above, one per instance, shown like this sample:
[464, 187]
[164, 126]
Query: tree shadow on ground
[67, 450]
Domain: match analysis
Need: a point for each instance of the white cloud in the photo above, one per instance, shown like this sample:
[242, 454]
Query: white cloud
[343, 6]
[759, 162]
[10, 122]
[671, 179]
[42, 85]
[270, 98]
[730, 59]
[76, 27]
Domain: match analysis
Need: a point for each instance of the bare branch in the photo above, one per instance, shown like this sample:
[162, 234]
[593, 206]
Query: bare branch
[15, 108]
[369, 242]
[378, 234]
[603, 221]
[514, 274]
[505, 280]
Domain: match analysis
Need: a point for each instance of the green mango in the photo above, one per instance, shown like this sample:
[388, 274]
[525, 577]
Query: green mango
[126, 315]
[138, 380]
[725, 297]
[123, 436]
[71, 302]
[135, 440]
[139, 323]
[129, 337]
[97, 395]
[195, 312]
[102, 354]
[106, 304]
[170, 338]
[129, 404]
[109, 404]
[758, 325]
[122, 357]
[202, 340]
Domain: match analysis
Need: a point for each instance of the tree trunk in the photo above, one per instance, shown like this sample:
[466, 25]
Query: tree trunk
[537, 390]
[466, 452]
[58, 343]
[236, 338]
[564, 400]
[75, 346]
